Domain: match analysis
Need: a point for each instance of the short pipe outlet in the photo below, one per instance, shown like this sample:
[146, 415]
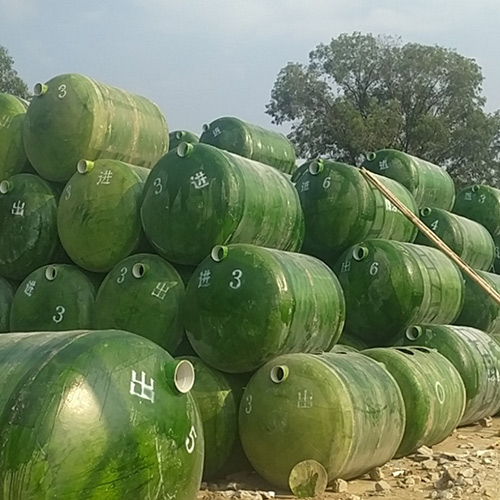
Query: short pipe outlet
[40, 89]
[184, 149]
[413, 332]
[359, 253]
[184, 376]
[139, 270]
[219, 252]
[84, 166]
[371, 156]
[279, 373]
[316, 167]
[50, 273]
[5, 187]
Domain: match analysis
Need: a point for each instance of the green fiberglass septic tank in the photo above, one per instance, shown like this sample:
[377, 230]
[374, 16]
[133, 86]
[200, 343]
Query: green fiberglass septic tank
[177, 136]
[6, 296]
[73, 117]
[389, 285]
[250, 141]
[345, 411]
[142, 294]
[246, 304]
[54, 297]
[12, 156]
[199, 196]
[98, 218]
[28, 225]
[430, 184]
[99, 415]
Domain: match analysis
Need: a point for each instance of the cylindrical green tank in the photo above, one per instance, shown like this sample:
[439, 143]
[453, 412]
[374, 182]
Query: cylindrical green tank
[98, 218]
[480, 310]
[12, 156]
[468, 239]
[6, 296]
[177, 136]
[54, 297]
[101, 415]
[343, 410]
[72, 117]
[430, 184]
[496, 263]
[250, 141]
[432, 389]
[28, 222]
[199, 196]
[390, 285]
[246, 304]
[218, 396]
[481, 204]
[475, 355]
[341, 208]
[142, 294]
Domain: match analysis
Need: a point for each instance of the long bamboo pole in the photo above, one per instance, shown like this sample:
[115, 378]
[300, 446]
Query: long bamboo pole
[484, 285]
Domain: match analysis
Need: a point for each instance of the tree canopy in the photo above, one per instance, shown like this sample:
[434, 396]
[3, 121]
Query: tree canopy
[10, 82]
[360, 93]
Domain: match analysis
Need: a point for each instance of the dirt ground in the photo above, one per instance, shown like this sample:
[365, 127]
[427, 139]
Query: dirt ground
[466, 465]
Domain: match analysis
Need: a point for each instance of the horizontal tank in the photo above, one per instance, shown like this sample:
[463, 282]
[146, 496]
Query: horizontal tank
[6, 296]
[101, 415]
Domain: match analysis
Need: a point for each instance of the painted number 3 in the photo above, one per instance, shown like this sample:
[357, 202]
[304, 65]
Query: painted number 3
[59, 316]
[62, 91]
[191, 439]
[235, 283]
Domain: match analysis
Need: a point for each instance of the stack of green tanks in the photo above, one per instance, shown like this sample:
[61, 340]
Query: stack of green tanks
[202, 304]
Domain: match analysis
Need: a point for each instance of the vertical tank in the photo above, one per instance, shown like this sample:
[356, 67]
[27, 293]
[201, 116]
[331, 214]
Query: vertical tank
[6, 296]
[246, 304]
[142, 294]
[389, 286]
[481, 204]
[28, 222]
[199, 196]
[72, 117]
[95, 202]
[177, 136]
[480, 310]
[433, 393]
[344, 411]
[250, 141]
[430, 184]
[12, 156]
[468, 239]
[54, 297]
[475, 355]
[101, 415]
[341, 208]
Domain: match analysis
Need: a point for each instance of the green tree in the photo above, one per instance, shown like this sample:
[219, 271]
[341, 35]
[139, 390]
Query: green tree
[10, 82]
[361, 93]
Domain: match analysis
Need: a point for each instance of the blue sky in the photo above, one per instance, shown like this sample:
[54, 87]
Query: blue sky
[199, 60]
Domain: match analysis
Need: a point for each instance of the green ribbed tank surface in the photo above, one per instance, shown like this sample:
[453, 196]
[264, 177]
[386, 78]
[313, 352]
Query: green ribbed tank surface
[72, 117]
[6, 296]
[246, 304]
[177, 136]
[97, 416]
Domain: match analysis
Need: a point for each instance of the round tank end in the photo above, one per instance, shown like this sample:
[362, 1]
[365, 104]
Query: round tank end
[426, 211]
[371, 156]
[84, 166]
[279, 373]
[308, 479]
[316, 167]
[184, 149]
[219, 252]
[205, 127]
[39, 89]
[359, 252]
[413, 332]
[50, 273]
[5, 187]
[139, 270]
[184, 376]
[179, 134]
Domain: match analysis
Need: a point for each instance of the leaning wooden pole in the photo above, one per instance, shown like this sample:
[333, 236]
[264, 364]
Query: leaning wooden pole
[432, 236]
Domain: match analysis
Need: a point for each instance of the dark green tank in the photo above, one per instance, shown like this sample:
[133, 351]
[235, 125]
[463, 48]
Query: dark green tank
[28, 222]
[6, 296]
[177, 136]
[496, 263]
[12, 156]
[246, 304]
[475, 355]
[54, 297]
[343, 410]
[250, 141]
[341, 208]
[389, 285]
[468, 239]
[96, 415]
[433, 392]
[142, 294]
[199, 196]
[430, 184]
[95, 203]
[481, 204]
[72, 117]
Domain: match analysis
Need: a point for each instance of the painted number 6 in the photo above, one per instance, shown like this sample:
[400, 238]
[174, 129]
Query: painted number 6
[374, 269]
